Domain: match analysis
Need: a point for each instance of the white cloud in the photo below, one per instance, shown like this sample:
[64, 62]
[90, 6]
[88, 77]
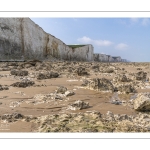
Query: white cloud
[146, 22]
[122, 46]
[88, 40]
[103, 42]
[85, 40]
[134, 20]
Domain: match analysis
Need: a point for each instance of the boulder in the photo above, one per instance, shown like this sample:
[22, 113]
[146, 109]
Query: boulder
[100, 84]
[128, 88]
[81, 71]
[78, 105]
[142, 102]
[19, 72]
[108, 70]
[47, 75]
[61, 90]
[69, 93]
[122, 78]
[3, 87]
[54, 74]
[141, 75]
[12, 117]
[23, 84]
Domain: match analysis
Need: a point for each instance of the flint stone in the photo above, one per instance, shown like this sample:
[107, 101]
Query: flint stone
[78, 105]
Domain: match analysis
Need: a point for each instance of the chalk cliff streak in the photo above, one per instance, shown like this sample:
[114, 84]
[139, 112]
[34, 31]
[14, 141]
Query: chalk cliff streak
[22, 36]
[46, 52]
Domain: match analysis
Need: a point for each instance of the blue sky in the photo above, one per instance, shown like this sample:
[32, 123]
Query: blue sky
[125, 37]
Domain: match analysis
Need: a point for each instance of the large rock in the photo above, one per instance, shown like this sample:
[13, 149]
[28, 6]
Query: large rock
[81, 71]
[141, 75]
[19, 72]
[99, 84]
[78, 105]
[122, 78]
[3, 87]
[23, 84]
[142, 102]
[61, 90]
[108, 70]
[12, 117]
[69, 93]
[128, 88]
[47, 75]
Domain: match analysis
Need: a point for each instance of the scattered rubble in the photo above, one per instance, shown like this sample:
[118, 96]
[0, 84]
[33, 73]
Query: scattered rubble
[92, 121]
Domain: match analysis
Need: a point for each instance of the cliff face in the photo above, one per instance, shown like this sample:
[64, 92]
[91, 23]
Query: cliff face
[22, 38]
[10, 38]
[102, 58]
